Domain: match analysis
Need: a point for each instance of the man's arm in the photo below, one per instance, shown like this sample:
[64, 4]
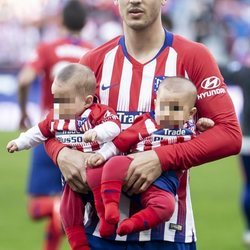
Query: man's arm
[223, 140]
[25, 78]
[71, 163]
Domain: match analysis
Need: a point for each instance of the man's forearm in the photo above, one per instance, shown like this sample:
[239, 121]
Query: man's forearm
[53, 147]
[216, 143]
[23, 96]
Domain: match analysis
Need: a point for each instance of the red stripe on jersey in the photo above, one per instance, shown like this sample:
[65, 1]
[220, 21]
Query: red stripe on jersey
[55, 125]
[159, 71]
[66, 125]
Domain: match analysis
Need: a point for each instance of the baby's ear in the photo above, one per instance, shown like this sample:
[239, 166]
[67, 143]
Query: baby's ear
[89, 100]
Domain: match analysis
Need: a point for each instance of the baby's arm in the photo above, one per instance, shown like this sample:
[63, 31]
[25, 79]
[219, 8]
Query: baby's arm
[204, 124]
[102, 133]
[26, 140]
[33, 136]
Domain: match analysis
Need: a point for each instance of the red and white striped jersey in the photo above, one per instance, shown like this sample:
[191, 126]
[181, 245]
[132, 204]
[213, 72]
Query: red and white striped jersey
[128, 86]
[50, 57]
[145, 134]
[99, 117]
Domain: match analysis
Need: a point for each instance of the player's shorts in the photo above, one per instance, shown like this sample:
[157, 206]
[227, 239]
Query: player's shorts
[97, 243]
[44, 176]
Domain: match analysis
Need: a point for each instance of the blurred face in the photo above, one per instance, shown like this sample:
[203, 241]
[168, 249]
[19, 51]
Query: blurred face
[139, 14]
[67, 105]
[171, 111]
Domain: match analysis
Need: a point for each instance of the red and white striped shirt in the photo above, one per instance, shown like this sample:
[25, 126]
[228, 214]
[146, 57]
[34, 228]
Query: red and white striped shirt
[99, 117]
[144, 134]
[128, 87]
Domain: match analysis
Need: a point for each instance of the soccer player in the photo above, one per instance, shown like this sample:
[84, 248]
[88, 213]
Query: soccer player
[127, 68]
[240, 76]
[171, 123]
[44, 181]
[75, 114]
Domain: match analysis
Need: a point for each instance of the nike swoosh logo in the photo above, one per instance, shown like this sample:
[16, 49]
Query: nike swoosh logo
[108, 86]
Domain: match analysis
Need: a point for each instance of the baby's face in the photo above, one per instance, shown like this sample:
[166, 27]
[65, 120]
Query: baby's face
[67, 105]
[171, 111]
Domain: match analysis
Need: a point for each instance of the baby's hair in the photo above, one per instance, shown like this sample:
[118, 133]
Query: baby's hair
[179, 85]
[79, 77]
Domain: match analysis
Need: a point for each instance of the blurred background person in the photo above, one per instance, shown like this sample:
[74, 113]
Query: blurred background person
[228, 21]
[44, 182]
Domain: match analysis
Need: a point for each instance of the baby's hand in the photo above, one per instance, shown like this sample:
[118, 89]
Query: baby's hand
[11, 147]
[95, 160]
[89, 135]
[204, 124]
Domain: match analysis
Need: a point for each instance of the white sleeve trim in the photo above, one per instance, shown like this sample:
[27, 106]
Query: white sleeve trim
[106, 131]
[108, 150]
[30, 138]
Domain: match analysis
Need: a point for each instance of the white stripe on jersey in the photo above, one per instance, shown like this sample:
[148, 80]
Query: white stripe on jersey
[108, 64]
[124, 212]
[60, 124]
[72, 124]
[146, 87]
[169, 234]
[186, 75]
[190, 227]
[171, 63]
[145, 235]
[150, 126]
[125, 84]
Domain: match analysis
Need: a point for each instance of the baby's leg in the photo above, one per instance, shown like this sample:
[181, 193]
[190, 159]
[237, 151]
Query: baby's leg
[72, 216]
[94, 176]
[113, 175]
[159, 207]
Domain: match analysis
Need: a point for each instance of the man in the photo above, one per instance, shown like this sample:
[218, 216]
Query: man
[240, 75]
[44, 183]
[128, 70]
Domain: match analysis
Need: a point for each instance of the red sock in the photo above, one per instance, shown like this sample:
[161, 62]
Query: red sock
[143, 220]
[39, 207]
[47, 206]
[159, 207]
[94, 176]
[77, 238]
[113, 176]
[72, 216]
[52, 237]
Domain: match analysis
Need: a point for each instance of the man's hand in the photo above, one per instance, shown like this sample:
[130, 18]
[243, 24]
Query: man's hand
[24, 122]
[11, 147]
[72, 165]
[95, 160]
[89, 135]
[143, 170]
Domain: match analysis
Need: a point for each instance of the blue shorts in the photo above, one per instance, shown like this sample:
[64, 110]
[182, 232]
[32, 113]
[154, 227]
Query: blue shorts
[97, 243]
[44, 176]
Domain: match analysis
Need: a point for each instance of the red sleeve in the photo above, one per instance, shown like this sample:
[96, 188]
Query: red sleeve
[213, 101]
[38, 60]
[132, 135]
[45, 125]
[52, 145]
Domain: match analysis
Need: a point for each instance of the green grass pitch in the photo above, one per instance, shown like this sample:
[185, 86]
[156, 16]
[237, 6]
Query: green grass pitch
[215, 190]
